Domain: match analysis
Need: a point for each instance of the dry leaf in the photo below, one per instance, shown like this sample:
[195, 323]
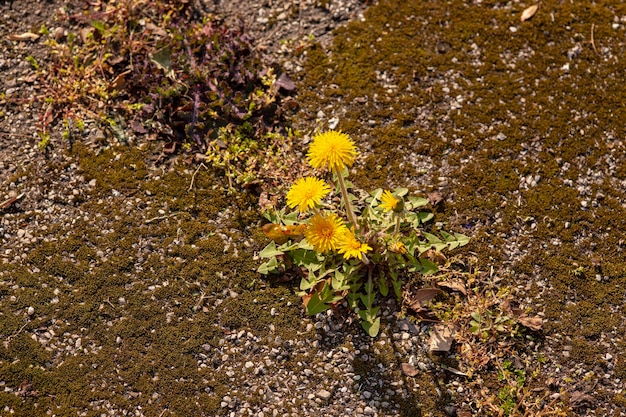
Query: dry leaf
[434, 256]
[578, 398]
[408, 369]
[26, 36]
[441, 338]
[155, 29]
[421, 297]
[529, 12]
[435, 198]
[510, 309]
[454, 286]
[285, 83]
[455, 371]
[533, 323]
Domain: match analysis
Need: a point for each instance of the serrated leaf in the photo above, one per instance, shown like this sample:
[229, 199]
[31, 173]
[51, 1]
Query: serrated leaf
[268, 267]
[270, 251]
[431, 238]
[377, 193]
[425, 216]
[400, 192]
[462, 239]
[303, 257]
[417, 201]
[315, 305]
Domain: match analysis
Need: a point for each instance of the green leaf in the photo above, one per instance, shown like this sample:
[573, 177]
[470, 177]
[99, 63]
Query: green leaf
[432, 238]
[476, 316]
[270, 251]
[428, 266]
[425, 216]
[382, 286]
[302, 257]
[372, 328]
[290, 218]
[462, 239]
[400, 192]
[162, 59]
[376, 194]
[339, 281]
[417, 202]
[397, 288]
[316, 305]
[304, 244]
[268, 267]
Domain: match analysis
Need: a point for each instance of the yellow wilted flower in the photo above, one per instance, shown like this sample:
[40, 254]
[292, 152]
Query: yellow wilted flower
[388, 201]
[398, 247]
[351, 247]
[324, 232]
[305, 193]
[333, 150]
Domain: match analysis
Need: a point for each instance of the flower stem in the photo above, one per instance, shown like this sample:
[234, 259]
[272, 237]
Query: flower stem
[346, 200]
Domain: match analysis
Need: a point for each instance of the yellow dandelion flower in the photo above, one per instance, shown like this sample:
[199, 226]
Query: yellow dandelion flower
[351, 247]
[388, 201]
[324, 232]
[305, 193]
[332, 149]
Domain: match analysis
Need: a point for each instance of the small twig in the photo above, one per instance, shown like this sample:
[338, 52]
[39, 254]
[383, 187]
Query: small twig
[14, 335]
[593, 43]
[193, 177]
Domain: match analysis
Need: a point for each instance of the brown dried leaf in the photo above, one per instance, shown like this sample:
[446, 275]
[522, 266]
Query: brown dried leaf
[137, 126]
[26, 36]
[533, 323]
[155, 29]
[418, 300]
[455, 371]
[508, 307]
[285, 83]
[529, 12]
[441, 338]
[579, 397]
[434, 256]
[454, 286]
[408, 369]
[435, 198]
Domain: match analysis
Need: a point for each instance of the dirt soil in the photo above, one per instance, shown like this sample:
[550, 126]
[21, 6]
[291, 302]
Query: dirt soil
[129, 287]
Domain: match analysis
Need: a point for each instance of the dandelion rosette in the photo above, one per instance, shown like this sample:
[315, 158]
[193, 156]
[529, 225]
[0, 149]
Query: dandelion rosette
[306, 193]
[333, 150]
[324, 232]
[388, 201]
[351, 247]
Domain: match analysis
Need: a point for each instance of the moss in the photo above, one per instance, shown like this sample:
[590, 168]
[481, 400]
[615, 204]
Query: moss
[251, 310]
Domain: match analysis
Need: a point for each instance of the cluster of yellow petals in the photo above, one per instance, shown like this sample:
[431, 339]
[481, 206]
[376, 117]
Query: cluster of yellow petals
[306, 193]
[351, 247]
[333, 150]
[388, 201]
[324, 232]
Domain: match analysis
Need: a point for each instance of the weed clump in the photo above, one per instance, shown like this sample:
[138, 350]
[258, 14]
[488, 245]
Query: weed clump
[159, 72]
